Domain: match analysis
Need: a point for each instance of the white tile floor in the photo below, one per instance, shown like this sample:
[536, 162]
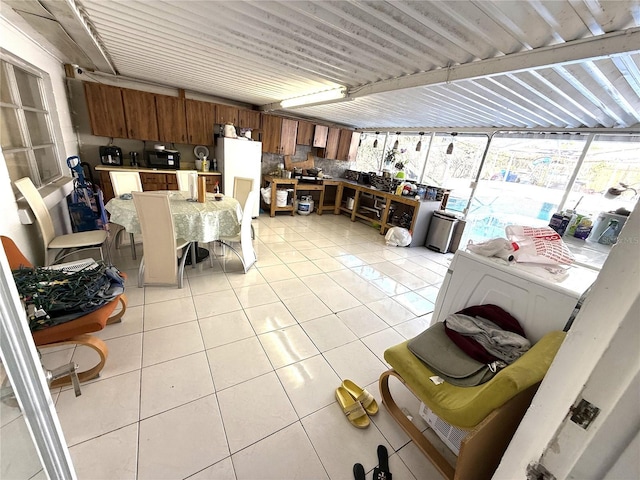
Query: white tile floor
[233, 376]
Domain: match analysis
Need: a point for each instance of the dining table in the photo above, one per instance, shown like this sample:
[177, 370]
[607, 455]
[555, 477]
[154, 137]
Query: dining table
[193, 221]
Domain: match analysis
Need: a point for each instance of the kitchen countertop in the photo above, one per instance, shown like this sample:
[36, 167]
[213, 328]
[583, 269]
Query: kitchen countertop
[111, 168]
[375, 191]
[587, 254]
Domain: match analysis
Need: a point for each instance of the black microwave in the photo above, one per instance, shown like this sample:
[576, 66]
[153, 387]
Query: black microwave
[167, 159]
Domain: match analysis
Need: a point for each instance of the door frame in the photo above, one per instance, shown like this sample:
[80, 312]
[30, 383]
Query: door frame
[24, 370]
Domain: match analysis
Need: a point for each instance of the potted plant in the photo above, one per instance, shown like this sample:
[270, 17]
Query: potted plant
[392, 160]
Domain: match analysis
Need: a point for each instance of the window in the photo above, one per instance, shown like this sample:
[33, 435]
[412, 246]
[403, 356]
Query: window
[369, 157]
[609, 161]
[453, 163]
[375, 147]
[26, 126]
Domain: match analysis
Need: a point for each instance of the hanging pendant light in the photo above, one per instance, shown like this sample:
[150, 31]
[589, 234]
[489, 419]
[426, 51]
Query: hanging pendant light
[395, 144]
[375, 142]
[450, 147]
[419, 144]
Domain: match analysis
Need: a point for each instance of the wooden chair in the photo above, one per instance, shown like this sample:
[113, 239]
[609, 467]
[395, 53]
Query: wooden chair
[488, 414]
[74, 332]
[243, 239]
[62, 245]
[122, 183]
[158, 265]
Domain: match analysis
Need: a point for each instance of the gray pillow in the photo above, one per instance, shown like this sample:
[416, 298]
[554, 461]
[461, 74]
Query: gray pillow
[447, 360]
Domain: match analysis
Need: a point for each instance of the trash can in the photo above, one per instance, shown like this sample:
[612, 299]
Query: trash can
[440, 231]
[458, 230]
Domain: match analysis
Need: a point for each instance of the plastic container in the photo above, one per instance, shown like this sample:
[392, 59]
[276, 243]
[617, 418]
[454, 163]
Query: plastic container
[281, 198]
[350, 203]
[559, 223]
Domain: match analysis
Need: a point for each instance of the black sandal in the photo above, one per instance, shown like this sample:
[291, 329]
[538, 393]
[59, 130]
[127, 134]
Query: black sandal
[381, 472]
[358, 472]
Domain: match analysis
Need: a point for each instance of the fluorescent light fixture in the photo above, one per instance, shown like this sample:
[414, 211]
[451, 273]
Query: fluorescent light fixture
[328, 96]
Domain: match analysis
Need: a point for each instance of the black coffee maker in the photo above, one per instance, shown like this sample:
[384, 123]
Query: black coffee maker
[111, 155]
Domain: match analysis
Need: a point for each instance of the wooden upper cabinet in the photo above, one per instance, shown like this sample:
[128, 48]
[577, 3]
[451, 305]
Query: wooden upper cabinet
[172, 119]
[271, 131]
[331, 150]
[140, 114]
[249, 119]
[200, 121]
[279, 135]
[320, 136]
[305, 133]
[288, 136]
[348, 145]
[106, 111]
[226, 114]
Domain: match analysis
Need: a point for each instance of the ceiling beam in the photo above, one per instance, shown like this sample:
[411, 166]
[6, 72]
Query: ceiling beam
[567, 53]
[73, 22]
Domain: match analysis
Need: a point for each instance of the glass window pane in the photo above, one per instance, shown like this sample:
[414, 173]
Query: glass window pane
[38, 128]
[9, 129]
[405, 157]
[5, 93]
[522, 182]
[611, 160]
[17, 164]
[47, 162]
[453, 163]
[369, 157]
[28, 86]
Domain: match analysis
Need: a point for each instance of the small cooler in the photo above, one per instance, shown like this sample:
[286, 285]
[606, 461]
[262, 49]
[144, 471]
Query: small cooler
[441, 231]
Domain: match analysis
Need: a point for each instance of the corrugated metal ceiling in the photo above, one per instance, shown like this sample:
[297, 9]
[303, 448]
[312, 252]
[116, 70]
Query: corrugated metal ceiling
[407, 64]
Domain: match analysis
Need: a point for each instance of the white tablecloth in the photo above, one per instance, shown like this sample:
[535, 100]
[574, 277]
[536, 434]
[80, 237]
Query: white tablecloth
[193, 221]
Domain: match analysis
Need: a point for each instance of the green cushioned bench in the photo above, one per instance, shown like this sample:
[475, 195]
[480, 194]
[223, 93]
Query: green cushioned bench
[491, 411]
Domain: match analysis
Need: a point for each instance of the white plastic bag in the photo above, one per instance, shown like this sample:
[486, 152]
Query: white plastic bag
[266, 195]
[398, 237]
[538, 245]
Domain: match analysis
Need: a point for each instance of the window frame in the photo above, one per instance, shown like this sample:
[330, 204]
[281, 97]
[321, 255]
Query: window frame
[45, 90]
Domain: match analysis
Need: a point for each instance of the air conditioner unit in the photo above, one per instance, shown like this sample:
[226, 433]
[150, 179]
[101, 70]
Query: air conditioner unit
[451, 436]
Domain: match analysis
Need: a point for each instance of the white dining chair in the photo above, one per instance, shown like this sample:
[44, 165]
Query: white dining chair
[158, 265]
[57, 247]
[183, 179]
[123, 183]
[247, 253]
[241, 188]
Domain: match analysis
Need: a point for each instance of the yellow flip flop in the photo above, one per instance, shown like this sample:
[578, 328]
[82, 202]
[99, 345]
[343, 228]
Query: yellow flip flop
[361, 395]
[352, 409]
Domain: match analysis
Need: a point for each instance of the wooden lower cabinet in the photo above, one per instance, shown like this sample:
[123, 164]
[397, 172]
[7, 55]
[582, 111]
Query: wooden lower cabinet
[105, 185]
[152, 181]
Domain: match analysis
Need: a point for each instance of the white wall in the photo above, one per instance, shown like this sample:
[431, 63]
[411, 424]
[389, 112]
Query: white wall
[21, 45]
[613, 298]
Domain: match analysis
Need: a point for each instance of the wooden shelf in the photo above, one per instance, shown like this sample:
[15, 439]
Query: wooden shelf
[280, 184]
[419, 210]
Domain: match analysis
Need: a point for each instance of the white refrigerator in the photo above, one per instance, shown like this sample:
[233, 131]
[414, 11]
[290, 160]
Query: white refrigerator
[239, 158]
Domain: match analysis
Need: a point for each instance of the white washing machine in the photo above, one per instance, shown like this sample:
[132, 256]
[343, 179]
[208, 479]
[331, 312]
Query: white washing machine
[539, 304]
